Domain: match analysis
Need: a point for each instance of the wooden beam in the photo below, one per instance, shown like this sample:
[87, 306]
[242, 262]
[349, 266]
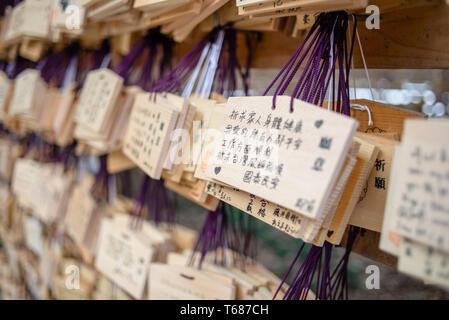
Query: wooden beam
[412, 35]
[414, 38]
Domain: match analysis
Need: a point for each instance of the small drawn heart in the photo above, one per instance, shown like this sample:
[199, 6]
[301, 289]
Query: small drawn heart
[330, 233]
[319, 123]
[217, 170]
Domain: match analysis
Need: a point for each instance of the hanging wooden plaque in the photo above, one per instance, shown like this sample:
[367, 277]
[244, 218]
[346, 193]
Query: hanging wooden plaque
[147, 138]
[263, 149]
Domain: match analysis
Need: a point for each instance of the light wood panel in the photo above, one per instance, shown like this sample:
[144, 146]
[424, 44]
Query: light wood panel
[412, 35]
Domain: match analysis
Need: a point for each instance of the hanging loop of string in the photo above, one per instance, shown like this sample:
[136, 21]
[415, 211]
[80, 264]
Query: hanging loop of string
[93, 60]
[206, 79]
[324, 49]
[229, 66]
[54, 67]
[368, 78]
[357, 106]
[151, 47]
[173, 81]
[210, 64]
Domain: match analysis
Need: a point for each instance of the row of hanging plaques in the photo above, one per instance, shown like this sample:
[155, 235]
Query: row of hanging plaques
[307, 171]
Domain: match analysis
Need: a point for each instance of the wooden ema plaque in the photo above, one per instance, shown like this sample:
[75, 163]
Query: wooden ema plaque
[369, 211]
[148, 135]
[419, 206]
[365, 161]
[263, 149]
[386, 119]
[97, 98]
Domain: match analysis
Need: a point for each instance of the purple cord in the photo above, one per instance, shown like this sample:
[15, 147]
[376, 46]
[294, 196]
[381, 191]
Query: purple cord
[313, 82]
[312, 87]
[212, 236]
[100, 189]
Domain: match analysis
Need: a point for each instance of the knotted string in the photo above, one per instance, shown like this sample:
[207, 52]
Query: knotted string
[368, 78]
[360, 107]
